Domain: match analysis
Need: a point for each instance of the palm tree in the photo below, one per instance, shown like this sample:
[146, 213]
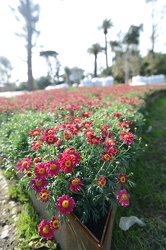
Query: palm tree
[95, 49]
[107, 24]
[131, 39]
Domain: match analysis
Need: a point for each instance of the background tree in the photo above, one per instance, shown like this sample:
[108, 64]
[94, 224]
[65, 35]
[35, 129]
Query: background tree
[67, 75]
[95, 49]
[5, 71]
[107, 24]
[131, 40]
[28, 12]
[156, 19]
[53, 64]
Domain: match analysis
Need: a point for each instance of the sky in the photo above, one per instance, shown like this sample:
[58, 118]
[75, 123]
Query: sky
[70, 27]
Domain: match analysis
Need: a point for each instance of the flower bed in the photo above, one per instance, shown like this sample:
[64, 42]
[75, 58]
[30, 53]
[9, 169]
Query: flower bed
[77, 159]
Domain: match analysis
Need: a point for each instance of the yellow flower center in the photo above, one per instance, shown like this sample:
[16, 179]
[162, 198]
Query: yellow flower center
[106, 156]
[42, 170]
[49, 131]
[38, 183]
[24, 164]
[65, 203]
[44, 196]
[53, 166]
[122, 179]
[55, 223]
[74, 182]
[46, 229]
[50, 139]
[124, 197]
[126, 136]
[35, 132]
[68, 164]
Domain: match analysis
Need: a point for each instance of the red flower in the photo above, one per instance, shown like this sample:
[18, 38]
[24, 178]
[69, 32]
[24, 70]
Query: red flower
[101, 181]
[117, 114]
[24, 164]
[52, 167]
[67, 163]
[113, 150]
[92, 139]
[86, 113]
[39, 184]
[40, 171]
[37, 160]
[106, 156]
[127, 137]
[89, 132]
[76, 184]
[55, 222]
[87, 124]
[67, 135]
[36, 145]
[44, 195]
[65, 204]
[110, 142]
[122, 178]
[35, 132]
[50, 139]
[45, 229]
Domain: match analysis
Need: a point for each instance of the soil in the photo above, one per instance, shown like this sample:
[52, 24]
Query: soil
[8, 215]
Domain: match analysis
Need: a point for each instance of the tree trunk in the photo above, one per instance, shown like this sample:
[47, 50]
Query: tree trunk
[29, 50]
[95, 67]
[106, 56]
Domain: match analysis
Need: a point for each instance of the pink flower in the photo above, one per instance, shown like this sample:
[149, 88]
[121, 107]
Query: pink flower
[52, 167]
[36, 145]
[50, 139]
[35, 132]
[76, 184]
[39, 184]
[127, 137]
[122, 178]
[65, 204]
[44, 195]
[45, 229]
[101, 181]
[106, 156]
[123, 198]
[40, 171]
[24, 164]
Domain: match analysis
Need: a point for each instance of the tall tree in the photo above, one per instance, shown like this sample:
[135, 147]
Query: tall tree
[155, 27]
[95, 49]
[107, 24]
[29, 12]
[131, 40]
[5, 70]
[53, 66]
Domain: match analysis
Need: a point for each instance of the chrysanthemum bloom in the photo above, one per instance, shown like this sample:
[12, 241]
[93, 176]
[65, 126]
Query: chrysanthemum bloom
[45, 229]
[106, 156]
[49, 131]
[105, 131]
[36, 145]
[87, 124]
[70, 151]
[75, 129]
[122, 178]
[24, 165]
[65, 204]
[116, 114]
[50, 139]
[110, 142]
[123, 125]
[127, 137]
[123, 198]
[39, 184]
[52, 167]
[55, 222]
[44, 195]
[89, 132]
[67, 163]
[67, 135]
[37, 159]
[35, 132]
[66, 125]
[92, 139]
[76, 120]
[40, 171]
[86, 113]
[76, 184]
[101, 181]
[113, 150]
